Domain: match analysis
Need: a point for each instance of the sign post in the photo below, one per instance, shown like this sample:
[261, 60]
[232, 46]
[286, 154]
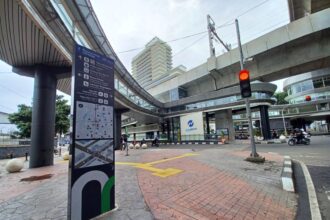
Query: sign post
[91, 173]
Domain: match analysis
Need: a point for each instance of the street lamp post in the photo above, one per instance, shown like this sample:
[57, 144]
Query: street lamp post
[285, 131]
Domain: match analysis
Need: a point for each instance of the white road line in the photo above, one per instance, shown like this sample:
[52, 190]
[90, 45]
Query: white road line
[313, 204]
[326, 193]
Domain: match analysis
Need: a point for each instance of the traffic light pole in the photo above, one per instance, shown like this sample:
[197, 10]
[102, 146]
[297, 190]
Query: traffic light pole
[247, 100]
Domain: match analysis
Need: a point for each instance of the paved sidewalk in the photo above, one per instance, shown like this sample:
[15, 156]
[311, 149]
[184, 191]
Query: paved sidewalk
[218, 185]
[209, 182]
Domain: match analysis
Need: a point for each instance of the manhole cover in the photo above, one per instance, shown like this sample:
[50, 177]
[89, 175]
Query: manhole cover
[36, 178]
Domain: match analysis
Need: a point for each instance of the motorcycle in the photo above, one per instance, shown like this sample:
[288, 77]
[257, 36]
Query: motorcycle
[155, 143]
[293, 140]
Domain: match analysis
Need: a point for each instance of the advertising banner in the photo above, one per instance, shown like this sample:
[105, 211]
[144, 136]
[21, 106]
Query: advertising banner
[91, 191]
[192, 126]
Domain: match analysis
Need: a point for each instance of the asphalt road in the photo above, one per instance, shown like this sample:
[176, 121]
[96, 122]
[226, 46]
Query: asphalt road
[317, 159]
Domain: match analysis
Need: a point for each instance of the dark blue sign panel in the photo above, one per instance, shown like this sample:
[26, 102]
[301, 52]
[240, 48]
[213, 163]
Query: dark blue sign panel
[92, 165]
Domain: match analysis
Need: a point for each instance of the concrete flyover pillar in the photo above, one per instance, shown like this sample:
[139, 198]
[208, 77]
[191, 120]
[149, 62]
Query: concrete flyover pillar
[43, 118]
[168, 129]
[117, 129]
[207, 120]
[264, 120]
[224, 120]
[117, 126]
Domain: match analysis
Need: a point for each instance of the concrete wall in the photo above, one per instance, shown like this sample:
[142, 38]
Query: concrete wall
[16, 151]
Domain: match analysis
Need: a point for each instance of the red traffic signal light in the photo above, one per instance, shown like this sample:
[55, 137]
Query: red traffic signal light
[244, 75]
[308, 98]
[244, 82]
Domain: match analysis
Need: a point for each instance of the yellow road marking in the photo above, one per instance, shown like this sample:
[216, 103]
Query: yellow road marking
[157, 171]
[127, 163]
[172, 158]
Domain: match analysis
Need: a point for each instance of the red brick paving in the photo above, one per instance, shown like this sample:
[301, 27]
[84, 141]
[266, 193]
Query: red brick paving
[204, 192]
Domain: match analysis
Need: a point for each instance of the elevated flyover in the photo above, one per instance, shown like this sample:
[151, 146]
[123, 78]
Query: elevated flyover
[300, 46]
[302, 8]
[37, 39]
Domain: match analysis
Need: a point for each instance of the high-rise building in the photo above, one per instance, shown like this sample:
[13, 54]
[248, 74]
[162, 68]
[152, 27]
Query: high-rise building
[152, 63]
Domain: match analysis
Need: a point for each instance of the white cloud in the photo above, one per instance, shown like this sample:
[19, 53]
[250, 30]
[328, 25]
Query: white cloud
[183, 4]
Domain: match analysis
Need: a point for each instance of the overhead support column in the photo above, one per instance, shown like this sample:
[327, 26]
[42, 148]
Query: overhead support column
[168, 130]
[43, 118]
[117, 127]
[224, 120]
[207, 118]
[264, 120]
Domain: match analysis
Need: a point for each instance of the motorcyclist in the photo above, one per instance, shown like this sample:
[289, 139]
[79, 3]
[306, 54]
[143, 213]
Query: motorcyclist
[299, 135]
[155, 142]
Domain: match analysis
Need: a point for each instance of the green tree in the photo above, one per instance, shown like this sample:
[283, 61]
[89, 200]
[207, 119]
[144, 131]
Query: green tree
[23, 118]
[62, 121]
[280, 96]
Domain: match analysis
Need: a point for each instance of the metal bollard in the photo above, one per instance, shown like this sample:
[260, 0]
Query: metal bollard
[59, 151]
[26, 156]
[11, 156]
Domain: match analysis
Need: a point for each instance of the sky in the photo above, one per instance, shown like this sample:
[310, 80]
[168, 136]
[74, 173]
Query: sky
[130, 24]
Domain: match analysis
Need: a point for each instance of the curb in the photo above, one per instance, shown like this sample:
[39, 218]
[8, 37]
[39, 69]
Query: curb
[286, 176]
[313, 203]
[276, 141]
[192, 143]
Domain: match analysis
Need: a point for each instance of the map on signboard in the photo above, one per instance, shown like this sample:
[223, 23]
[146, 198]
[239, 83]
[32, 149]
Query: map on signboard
[93, 121]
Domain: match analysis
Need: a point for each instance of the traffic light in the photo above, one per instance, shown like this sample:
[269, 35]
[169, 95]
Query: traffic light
[244, 82]
[308, 98]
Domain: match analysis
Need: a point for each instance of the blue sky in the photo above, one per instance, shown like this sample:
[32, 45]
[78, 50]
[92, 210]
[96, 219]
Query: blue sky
[130, 24]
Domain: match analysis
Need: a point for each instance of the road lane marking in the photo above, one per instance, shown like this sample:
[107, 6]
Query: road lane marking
[313, 203]
[326, 193]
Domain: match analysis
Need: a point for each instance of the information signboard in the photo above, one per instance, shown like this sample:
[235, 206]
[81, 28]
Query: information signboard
[91, 191]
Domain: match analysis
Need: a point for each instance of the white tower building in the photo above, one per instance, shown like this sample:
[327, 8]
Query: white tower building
[152, 63]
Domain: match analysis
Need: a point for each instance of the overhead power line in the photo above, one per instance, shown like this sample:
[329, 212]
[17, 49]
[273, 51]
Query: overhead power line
[250, 9]
[177, 39]
[11, 109]
[189, 45]
[229, 22]
[13, 91]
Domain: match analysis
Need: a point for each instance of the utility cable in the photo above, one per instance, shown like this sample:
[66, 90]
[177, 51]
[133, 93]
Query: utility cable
[229, 22]
[250, 9]
[7, 108]
[189, 45]
[13, 91]
[170, 41]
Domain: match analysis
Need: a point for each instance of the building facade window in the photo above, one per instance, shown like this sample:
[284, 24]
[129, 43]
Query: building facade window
[220, 101]
[326, 81]
[318, 83]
